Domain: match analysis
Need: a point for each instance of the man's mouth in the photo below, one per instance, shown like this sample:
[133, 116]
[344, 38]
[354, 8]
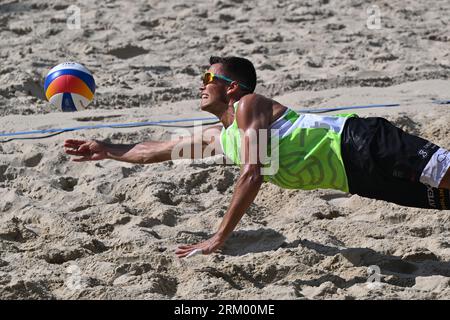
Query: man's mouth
[204, 96]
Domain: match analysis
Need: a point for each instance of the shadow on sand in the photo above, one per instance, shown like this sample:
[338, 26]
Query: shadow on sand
[394, 270]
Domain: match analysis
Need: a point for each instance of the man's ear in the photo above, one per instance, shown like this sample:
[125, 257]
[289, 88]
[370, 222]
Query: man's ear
[233, 88]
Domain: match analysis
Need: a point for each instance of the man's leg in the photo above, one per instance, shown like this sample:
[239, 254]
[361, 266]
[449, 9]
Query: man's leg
[445, 182]
[384, 162]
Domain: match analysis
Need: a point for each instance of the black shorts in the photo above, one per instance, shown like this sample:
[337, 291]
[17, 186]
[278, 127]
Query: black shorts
[384, 162]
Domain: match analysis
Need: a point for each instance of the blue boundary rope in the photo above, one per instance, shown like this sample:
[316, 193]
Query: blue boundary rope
[165, 122]
[117, 125]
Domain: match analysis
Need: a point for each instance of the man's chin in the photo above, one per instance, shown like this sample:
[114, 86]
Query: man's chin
[204, 106]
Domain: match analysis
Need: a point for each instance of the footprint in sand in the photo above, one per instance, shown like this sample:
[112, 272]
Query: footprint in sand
[127, 52]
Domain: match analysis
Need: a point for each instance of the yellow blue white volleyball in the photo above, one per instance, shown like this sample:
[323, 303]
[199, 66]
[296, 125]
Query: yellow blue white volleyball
[69, 86]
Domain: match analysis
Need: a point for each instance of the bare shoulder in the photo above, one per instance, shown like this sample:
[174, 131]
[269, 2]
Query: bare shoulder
[254, 101]
[254, 109]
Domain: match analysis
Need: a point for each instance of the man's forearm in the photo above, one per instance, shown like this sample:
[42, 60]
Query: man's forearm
[245, 192]
[185, 147]
[142, 153]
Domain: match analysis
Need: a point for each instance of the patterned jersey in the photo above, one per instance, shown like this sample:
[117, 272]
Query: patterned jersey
[304, 150]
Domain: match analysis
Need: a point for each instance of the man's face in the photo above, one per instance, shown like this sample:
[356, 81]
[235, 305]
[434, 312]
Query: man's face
[214, 94]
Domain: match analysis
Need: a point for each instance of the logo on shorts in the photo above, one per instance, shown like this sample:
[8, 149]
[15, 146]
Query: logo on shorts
[423, 153]
[441, 157]
[430, 194]
[429, 145]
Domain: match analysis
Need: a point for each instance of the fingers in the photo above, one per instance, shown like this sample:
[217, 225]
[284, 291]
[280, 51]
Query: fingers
[205, 247]
[184, 254]
[72, 143]
[186, 251]
[82, 159]
[194, 252]
[185, 247]
[76, 152]
[182, 251]
[84, 148]
[76, 146]
[80, 148]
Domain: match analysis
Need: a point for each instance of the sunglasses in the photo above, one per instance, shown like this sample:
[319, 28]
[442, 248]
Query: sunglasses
[208, 77]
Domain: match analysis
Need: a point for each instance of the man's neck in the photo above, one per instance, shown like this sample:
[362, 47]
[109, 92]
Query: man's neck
[227, 117]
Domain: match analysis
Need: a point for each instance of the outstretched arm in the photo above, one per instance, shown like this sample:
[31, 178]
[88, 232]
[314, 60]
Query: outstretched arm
[145, 152]
[253, 116]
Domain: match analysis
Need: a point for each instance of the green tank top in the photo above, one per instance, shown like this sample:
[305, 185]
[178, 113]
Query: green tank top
[308, 152]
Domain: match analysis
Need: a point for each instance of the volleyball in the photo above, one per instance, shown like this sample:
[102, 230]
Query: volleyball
[69, 86]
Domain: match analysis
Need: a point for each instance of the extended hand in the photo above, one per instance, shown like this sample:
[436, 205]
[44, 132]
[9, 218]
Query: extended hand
[87, 150]
[206, 247]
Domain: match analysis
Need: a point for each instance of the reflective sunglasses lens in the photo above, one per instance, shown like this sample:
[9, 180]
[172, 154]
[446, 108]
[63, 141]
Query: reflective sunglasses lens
[207, 78]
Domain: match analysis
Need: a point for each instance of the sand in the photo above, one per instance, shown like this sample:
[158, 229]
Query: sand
[108, 230]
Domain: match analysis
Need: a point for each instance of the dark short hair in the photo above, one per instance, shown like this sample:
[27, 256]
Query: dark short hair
[239, 69]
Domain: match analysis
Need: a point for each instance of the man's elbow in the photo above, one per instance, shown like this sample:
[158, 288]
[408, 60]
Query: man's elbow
[252, 174]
